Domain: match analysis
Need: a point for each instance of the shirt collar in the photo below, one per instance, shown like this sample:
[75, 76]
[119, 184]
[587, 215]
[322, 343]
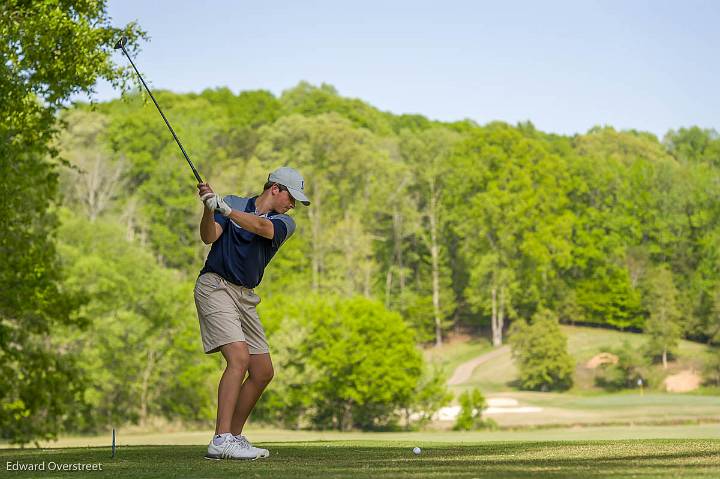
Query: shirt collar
[250, 208]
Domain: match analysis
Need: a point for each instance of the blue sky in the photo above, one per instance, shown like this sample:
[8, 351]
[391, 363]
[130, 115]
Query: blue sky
[564, 65]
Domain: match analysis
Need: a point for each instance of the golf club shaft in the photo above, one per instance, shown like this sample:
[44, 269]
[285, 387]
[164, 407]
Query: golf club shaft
[197, 175]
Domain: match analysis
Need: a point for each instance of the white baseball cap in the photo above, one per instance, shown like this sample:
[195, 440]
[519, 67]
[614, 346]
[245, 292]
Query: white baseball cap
[292, 180]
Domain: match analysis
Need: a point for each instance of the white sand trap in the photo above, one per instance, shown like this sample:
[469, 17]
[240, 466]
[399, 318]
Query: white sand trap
[512, 410]
[496, 406]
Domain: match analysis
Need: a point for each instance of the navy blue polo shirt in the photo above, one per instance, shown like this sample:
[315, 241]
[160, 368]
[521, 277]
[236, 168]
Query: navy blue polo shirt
[240, 256]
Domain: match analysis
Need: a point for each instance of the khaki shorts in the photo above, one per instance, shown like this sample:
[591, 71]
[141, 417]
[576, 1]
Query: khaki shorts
[227, 314]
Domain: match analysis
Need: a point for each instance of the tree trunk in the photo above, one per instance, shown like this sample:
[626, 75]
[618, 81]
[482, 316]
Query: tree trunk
[398, 235]
[345, 418]
[501, 316]
[498, 315]
[368, 279]
[145, 387]
[98, 184]
[316, 249]
[435, 254]
[493, 318]
[129, 217]
[664, 358]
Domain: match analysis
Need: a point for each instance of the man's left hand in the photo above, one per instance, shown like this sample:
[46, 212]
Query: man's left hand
[215, 202]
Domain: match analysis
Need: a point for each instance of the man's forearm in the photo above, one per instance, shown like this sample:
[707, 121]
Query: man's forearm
[208, 227]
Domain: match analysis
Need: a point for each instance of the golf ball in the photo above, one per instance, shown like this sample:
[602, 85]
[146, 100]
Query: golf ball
[417, 450]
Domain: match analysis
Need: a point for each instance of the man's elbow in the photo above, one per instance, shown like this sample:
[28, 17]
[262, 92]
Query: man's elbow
[208, 239]
[210, 236]
[267, 230]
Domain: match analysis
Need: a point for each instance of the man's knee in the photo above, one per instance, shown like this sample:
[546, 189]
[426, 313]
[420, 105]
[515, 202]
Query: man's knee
[262, 376]
[237, 357]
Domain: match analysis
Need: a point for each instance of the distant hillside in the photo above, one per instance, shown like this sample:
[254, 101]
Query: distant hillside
[498, 373]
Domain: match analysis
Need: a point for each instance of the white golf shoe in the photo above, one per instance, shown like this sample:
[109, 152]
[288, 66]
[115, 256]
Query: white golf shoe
[261, 452]
[232, 449]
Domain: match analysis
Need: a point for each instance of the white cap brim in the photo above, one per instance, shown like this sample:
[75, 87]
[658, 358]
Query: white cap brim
[299, 196]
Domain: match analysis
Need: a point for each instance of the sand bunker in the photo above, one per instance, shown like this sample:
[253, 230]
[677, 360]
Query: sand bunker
[602, 358]
[684, 381]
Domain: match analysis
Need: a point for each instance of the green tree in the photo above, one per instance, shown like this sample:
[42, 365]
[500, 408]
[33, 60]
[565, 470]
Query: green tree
[371, 365]
[427, 153]
[509, 207]
[290, 395]
[694, 145]
[540, 352]
[144, 327]
[93, 179]
[355, 365]
[711, 371]
[616, 189]
[663, 323]
[696, 256]
[308, 100]
[50, 50]
[161, 198]
[339, 163]
[430, 395]
[472, 404]
[630, 370]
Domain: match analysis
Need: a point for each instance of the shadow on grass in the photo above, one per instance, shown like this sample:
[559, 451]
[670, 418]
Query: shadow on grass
[586, 459]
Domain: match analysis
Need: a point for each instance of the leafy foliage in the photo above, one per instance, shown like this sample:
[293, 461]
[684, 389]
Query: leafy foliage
[625, 374]
[712, 368]
[540, 351]
[142, 325]
[663, 324]
[417, 227]
[50, 50]
[472, 404]
[430, 395]
[348, 363]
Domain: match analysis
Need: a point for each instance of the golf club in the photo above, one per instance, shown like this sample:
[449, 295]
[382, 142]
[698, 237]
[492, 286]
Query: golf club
[121, 45]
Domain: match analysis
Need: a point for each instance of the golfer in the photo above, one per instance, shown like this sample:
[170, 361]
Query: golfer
[245, 234]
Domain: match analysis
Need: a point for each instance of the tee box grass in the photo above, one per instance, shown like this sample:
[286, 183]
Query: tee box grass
[687, 458]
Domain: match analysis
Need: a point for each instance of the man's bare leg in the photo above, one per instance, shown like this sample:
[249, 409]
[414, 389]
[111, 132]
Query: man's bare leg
[260, 373]
[237, 357]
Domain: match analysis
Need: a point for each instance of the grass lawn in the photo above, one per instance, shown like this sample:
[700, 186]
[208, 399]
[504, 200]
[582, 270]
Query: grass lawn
[585, 342]
[457, 351]
[685, 458]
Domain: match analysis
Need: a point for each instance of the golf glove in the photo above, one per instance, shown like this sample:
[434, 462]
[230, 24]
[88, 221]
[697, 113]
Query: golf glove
[215, 202]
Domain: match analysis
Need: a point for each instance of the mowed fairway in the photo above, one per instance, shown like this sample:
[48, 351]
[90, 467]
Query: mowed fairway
[383, 459]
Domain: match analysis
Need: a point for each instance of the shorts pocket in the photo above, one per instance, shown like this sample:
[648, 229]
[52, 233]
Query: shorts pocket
[254, 298]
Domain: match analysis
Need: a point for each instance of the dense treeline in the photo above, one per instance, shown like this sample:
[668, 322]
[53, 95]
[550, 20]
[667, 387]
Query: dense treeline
[450, 225]
[417, 227]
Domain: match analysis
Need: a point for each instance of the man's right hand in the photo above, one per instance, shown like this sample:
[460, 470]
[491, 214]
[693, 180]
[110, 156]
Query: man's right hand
[204, 189]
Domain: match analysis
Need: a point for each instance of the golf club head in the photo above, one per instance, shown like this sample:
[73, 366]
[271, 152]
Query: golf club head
[121, 43]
